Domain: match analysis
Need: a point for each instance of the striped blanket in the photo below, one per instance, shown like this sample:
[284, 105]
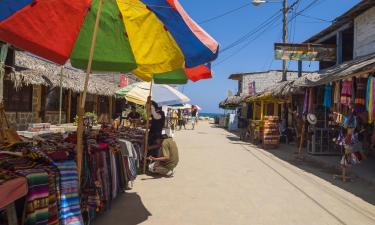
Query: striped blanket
[70, 211]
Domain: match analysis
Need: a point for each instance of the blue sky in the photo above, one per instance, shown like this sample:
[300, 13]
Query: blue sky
[258, 54]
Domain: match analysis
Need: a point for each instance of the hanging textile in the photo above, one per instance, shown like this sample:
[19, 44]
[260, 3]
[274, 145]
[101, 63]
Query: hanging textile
[306, 102]
[327, 102]
[372, 110]
[360, 92]
[336, 94]
[353, 90]
[70, 211]
[311, 101]
[369, 98]
[346, 93]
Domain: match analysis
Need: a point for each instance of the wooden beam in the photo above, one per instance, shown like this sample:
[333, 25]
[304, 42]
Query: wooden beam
[69, 107]
[333, 33]
[339, 51]
[110, 108]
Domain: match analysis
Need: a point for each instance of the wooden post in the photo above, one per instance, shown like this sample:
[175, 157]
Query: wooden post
[69, 107]
[61, 94]
[110, 101]
[254, 110]
[81, 107]
[148, 113]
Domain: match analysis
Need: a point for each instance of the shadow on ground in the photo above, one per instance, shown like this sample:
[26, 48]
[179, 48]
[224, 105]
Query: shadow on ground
[126, 209]
[359, 187]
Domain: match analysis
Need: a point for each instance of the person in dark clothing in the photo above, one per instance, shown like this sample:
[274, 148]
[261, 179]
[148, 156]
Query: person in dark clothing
[156, 129]
[181, 121]
[194, 114]
[133, 117]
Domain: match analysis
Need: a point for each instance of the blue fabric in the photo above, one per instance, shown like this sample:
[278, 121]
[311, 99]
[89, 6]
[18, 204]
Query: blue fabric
[327, 102]
[368, 93]
[9, 7]
[195, 52]
[163, 96]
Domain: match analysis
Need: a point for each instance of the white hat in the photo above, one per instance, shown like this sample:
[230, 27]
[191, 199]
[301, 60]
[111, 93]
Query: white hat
[311, 118]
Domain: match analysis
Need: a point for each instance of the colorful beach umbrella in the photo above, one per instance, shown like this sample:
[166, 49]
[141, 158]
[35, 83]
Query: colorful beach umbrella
[181, 76]
[149, 37]
[161, 94]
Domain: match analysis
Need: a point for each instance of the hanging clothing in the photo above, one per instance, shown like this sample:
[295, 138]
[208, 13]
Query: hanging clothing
[311, 101]
[360, 92]
[370, 98]
[336, 94]
[306, 102]
[368, 93]
[327, 102]
[346, 93]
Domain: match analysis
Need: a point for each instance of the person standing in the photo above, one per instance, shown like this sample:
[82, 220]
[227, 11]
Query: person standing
[156, 129]
[181, 121]
[194, 114]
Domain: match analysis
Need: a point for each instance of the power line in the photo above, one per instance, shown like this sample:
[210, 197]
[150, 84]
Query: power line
[249, 34]
[248, 42]
[316, 18]
[224, 14]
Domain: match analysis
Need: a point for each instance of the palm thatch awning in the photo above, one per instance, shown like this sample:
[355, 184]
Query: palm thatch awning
[32, 70]
[360, 66]
[232, 102]
[283, 89]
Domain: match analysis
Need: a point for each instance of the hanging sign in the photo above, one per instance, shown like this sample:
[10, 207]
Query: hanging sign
[305, 52]
[123, 81]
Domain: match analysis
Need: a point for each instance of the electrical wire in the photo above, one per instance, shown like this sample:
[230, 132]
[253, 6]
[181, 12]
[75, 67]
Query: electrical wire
[276, 16]
[224, 14]
[316, 18]
[248, 42]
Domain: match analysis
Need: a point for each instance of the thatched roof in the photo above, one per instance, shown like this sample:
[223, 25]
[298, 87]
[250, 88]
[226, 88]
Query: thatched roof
[32, 70]
[232, 102]
[283, 88]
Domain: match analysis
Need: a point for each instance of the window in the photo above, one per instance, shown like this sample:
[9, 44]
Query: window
[17, 100]
[103, 104]
[53, 100]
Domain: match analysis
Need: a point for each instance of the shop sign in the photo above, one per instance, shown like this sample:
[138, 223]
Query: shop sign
[305, 52]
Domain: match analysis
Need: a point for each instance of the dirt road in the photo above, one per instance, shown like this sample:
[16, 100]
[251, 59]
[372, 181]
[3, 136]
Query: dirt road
[221, 180]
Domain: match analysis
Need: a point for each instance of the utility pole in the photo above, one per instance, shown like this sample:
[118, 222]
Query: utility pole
[285, 31]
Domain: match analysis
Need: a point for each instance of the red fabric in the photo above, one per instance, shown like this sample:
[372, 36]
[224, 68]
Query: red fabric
[123, 81]
[12, 190]
[171, 3]
[198, 73]
[46, 28]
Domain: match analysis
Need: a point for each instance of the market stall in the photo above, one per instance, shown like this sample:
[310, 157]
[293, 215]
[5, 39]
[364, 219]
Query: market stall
[264, 123]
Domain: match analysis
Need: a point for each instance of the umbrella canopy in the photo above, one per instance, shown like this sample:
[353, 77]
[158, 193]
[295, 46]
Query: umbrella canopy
[185, 106]
[161, 94]
[152, 38]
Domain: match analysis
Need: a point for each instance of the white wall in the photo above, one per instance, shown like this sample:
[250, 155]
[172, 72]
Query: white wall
[364, 33]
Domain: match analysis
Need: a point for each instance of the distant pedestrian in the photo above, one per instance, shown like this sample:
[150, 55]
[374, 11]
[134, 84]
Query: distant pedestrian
[181, 121]
[194, 114]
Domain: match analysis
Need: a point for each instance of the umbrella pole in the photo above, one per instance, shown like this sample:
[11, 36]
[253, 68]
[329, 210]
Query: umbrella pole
[61, 92]
[81, 108]
[148, 113]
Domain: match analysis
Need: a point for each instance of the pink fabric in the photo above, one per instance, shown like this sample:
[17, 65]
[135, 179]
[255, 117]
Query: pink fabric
[12, 190]
[202, 35]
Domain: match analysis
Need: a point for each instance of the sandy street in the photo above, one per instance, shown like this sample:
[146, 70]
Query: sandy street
[223, 181]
